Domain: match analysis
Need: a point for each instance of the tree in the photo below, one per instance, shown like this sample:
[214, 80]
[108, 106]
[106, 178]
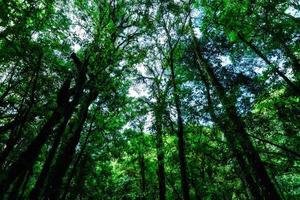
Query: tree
[149, 99]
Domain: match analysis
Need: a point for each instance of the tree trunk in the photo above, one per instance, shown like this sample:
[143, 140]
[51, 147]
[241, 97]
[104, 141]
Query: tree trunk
[24, 186]
[35, 192]
[63, 108]
[10, 86]
[27, 158]
[143, 175]
[64, 160]
[291, 84]
[160, 161]
[180, 134]
[21, 117]
[237, 127]
[160, 148]
[295, 61]
[232, 143]
[76, 163]
[79, 181]
[282, 42]
[13, 194]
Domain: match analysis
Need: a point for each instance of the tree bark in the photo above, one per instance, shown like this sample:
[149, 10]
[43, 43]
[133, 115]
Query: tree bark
[238, 128]
[143, 175]
[24, 186]
[76, 163]
[180, 134]
[79, 181]
[232, 143]
[158, 110]
[28, 157]
[63, 108]
[64, 160]
[14, 193]
[160, 161]
[37, 189]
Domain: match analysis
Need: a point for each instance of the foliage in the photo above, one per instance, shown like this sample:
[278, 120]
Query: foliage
[149, 99]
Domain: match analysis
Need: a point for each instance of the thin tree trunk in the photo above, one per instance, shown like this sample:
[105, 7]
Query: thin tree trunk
[28, 157]
[37, 189]
[24, 186]
[9, 146]
[180, 134]
[21, 117]
[160, 161]
[292, 85]
[13, 194]
[237, 126]
[75, 165]
[176, 192]
[293, 58]
[294, 153]
[158, 110]
[143, 175]
[196, 188]
[64, 106]
[281, 40]
[79, 181]
[232, 143]
[9, 86]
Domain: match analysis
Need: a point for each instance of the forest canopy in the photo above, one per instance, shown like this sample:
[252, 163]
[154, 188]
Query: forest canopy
[149, 99]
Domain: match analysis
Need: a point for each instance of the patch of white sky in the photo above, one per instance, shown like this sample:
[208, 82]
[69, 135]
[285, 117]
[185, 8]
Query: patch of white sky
[281, 63]
[262, 67]
[195, 14]
[80, 23]
[77, 30]
[292, 11]
[140, 90]
[226, 60]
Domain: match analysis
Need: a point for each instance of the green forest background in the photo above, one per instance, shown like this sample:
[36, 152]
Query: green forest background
[149, 99]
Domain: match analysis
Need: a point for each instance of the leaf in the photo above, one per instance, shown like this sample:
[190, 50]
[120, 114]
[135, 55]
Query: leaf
[232, 36]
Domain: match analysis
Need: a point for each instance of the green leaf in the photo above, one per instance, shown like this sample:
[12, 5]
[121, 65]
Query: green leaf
[232, 36]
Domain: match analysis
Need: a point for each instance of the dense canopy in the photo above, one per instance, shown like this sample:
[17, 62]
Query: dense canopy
[149, 99]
